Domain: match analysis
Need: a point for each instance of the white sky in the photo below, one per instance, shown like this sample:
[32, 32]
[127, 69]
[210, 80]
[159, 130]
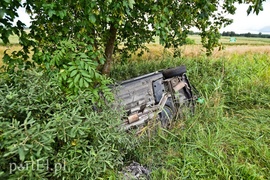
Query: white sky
[24, 17]
[241, 22]
[252, 23]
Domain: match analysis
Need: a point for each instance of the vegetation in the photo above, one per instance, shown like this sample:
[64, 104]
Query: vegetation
[228, 137]
[55, 124]
[45, 134]
[97, 27]
[231, 33]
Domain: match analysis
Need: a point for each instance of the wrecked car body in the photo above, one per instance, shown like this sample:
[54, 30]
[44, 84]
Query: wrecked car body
[159, 95]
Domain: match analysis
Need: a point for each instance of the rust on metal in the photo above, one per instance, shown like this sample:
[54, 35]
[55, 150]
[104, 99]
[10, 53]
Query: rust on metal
[133, 118]
[179, 86]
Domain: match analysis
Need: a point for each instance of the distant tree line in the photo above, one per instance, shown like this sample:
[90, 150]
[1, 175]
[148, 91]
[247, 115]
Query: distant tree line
[232, 33]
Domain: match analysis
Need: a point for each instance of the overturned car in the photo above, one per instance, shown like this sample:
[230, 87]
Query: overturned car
[161, 95]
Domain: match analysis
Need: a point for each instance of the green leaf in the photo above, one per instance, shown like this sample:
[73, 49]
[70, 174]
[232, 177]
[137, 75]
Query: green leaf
[82, 64]
[73, 73]
[70, 80]
[64, 76]
[2, 13]
[61, 14]
[73, 131]
[88, 79]
[51, 13]
[21, 153]
[72, 68]
[76, 79]
[6, 58]
[85, 74]
[102, 60]
[84, 56]
[86, 84]
[70, 85]
[81, 82]
[95, 92]
[131, 3]
[249, 9]
[92, 18]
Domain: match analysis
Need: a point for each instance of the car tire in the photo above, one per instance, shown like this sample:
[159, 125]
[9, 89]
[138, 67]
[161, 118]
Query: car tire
[166, 116]
[172, 72]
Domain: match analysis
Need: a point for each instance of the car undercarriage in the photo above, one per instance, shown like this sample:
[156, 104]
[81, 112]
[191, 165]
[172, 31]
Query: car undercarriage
[159, 95]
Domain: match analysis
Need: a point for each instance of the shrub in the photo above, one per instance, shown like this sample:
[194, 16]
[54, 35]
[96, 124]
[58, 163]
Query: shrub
[47, 135]
[190, 41]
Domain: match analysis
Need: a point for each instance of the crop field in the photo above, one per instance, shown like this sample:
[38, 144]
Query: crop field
[242, 45]
[228, 137]
[239, 40]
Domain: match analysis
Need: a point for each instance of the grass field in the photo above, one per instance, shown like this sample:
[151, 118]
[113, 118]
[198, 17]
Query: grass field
[229, 135]
[239, 40]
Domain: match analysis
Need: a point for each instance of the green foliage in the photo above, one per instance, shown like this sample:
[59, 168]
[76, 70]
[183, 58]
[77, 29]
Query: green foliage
[190, 41]
[76, 66]
[8, 12]
[47, 135]
[228, 137]
[105, 24]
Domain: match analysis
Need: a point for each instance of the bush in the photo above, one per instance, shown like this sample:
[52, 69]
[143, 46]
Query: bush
[190, 41]
[47, 135]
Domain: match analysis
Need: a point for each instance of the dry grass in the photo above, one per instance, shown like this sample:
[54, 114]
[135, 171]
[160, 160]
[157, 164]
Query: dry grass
[157, 52]
[9, 49]
[197, 50]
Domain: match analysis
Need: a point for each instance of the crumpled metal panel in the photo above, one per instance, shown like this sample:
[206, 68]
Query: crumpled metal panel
[137, 93]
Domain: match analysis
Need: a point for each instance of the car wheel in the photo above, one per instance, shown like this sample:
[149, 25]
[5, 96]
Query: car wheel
[172, 72]
[166, 116]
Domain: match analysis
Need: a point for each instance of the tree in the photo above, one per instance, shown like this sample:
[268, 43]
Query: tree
[64, 33]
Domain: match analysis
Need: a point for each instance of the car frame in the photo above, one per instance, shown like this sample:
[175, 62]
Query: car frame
[159, 95]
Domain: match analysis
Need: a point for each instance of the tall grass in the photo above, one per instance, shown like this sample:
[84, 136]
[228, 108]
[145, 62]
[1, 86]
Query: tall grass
[228, 137]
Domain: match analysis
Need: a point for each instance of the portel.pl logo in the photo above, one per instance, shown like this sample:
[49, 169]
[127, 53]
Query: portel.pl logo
[38, 165]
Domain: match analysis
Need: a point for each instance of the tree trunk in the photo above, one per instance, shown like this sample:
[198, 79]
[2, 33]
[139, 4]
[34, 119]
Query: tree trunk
[109, 50]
